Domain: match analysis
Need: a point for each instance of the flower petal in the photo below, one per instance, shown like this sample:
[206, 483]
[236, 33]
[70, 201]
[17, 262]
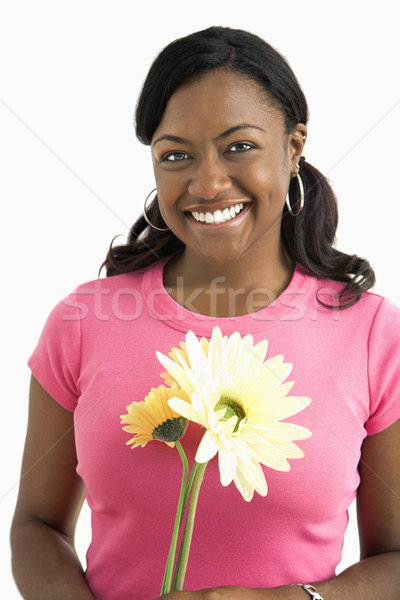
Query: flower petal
[289, 449]
[227, 462]
[208, 447]
[216, 353]
[260, 350]
[287, 407]
[243, 485]
[196, 355]
[257, 478]
[185, 409]
[288, 431]
[177, 372]
[270, 456]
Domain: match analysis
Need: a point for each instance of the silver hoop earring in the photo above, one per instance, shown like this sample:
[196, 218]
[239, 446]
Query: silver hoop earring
[301, 188]
[145, 214]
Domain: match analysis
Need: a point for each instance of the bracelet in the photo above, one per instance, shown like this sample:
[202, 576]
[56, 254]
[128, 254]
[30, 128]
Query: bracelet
[311, 590]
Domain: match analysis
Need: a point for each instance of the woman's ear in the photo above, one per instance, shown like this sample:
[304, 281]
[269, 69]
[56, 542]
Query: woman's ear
[297, 140]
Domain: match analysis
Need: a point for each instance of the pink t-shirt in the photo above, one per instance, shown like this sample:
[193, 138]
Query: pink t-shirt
[96, 355]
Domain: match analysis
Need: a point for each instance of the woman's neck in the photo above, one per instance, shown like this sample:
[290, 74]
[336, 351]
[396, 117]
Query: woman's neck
[227, 290]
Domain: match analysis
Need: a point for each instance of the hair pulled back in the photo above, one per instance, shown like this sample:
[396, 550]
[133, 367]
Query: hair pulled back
[307, 238]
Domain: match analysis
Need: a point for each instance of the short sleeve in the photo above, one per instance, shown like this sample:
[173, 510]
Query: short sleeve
[384, 368]
[55, 361]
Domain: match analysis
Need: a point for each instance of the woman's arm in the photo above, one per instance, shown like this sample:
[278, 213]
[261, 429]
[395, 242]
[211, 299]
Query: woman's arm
[45, 564]
[377, 575]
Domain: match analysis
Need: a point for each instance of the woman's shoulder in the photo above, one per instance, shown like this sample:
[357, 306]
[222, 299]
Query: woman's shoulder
[95, 296]
[372, 310]
[131, 279]
[329, 289]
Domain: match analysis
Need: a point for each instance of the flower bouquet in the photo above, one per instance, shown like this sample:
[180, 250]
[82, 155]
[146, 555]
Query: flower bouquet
[240, 399]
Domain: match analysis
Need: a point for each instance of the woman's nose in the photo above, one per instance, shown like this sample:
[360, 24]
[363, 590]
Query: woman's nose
[209, 180]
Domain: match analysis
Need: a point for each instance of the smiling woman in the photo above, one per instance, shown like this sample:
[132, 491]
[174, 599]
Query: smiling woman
[209, 175]
[238, 239]
[227, 126]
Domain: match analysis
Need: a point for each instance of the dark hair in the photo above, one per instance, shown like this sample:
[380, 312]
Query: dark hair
[307, 238]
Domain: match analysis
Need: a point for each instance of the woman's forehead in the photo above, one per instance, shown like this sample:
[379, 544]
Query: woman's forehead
[217, 100]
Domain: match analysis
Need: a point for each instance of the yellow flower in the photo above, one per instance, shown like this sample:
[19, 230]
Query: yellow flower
[153, 419]
[241, 400]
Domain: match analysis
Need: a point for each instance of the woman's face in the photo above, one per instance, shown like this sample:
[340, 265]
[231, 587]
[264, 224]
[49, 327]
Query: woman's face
[222, 165]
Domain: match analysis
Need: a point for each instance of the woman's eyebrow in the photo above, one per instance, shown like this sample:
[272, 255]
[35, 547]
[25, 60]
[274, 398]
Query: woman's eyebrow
[171, 138]
[231, 130]
[180, 140]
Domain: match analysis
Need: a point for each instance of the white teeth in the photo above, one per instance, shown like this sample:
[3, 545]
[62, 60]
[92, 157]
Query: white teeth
[218, 216]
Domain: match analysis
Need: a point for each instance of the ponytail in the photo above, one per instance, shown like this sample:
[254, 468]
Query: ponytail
[309, 238]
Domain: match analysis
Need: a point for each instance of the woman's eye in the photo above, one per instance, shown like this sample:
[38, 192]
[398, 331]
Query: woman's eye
[240, 147]
[174, 156]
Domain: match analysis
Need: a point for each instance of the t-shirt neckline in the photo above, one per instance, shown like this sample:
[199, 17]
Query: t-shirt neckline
[163, 307]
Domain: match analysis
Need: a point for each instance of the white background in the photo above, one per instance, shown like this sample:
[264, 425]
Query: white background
[73, 175]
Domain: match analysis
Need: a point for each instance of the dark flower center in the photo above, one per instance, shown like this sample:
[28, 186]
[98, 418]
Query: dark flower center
[171, 430]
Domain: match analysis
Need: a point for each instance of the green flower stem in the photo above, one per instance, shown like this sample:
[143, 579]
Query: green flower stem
[178, 561]
[166, 584]
[187, 494]
[190, 485]
[187, 536]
